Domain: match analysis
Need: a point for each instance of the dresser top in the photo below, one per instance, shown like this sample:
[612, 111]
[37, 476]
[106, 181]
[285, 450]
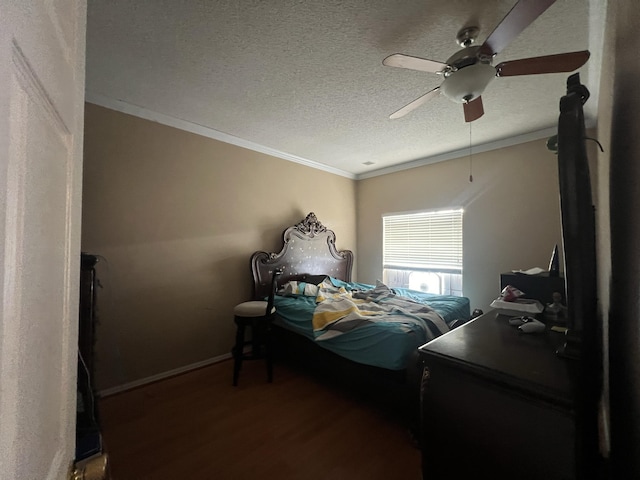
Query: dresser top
[488, 346]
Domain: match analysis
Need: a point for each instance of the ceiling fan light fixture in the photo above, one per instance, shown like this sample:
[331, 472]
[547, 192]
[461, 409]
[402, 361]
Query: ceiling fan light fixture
[468, 72]
[468, 83]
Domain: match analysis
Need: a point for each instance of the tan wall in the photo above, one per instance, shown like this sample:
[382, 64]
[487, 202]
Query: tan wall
[511, 212]
[175, 217]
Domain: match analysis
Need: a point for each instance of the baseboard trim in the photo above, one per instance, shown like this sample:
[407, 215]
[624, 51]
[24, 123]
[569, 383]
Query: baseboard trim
[161, 376]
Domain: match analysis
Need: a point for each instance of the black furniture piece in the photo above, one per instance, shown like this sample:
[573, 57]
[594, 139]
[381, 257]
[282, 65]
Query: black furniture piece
[583, 341]
[539, 287]
[497, 403]
[88, 435]
[256, 315]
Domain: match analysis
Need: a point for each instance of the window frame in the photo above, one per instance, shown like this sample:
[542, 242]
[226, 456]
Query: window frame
[447, 263]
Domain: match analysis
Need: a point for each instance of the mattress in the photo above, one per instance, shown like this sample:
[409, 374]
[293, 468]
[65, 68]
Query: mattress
[385, 345]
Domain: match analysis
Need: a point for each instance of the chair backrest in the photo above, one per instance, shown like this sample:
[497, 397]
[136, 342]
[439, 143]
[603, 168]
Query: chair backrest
[272, 290]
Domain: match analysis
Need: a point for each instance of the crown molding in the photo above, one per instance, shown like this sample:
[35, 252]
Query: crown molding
[464, 152]
[141, 112]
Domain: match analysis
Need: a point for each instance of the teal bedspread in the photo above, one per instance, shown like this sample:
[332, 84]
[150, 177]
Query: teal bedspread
[381, 344]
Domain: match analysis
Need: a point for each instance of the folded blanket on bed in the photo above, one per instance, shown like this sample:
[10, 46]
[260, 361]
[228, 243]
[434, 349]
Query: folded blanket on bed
[339, 310]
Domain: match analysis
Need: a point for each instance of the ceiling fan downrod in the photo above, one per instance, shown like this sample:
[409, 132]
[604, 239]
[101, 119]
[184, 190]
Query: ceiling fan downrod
[467, 36]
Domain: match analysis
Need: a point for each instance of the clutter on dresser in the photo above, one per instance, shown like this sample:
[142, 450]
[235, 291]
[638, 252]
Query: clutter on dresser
[512, 302]
[545, 287]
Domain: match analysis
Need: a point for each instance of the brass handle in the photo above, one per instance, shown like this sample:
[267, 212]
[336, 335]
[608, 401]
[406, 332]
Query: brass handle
[94, 468]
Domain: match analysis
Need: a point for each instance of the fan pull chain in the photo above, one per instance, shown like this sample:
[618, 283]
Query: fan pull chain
[470, 157]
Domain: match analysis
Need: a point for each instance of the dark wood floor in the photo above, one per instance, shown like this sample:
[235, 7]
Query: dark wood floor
[198, 426]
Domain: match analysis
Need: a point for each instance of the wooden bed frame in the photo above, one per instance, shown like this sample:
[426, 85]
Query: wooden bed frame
[309, 251]
[309, 248]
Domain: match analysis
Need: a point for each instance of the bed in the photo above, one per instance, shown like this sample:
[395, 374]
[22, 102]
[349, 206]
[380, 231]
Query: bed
[372, 352]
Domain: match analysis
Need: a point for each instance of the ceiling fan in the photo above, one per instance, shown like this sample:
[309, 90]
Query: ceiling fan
[468, 72]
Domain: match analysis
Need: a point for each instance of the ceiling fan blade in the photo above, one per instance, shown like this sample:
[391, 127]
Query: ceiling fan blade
[473, 110]
[519, 17]
[415, 104]
[413, 63]
[563, 62]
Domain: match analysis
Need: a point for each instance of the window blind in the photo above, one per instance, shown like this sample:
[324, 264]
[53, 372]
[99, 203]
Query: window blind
[430, 241]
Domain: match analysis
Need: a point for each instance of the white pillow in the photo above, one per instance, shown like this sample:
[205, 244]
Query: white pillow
[293, 287]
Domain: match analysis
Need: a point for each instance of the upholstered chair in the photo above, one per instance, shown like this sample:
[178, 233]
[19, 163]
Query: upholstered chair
[256, 315]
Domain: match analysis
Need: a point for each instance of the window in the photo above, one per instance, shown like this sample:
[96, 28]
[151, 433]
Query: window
[423, 251]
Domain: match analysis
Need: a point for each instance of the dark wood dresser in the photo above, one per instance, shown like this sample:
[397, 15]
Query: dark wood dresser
[497, 403]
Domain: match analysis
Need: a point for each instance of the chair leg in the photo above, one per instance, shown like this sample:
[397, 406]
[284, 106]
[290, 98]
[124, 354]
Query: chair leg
[269, 353]
[237, 353]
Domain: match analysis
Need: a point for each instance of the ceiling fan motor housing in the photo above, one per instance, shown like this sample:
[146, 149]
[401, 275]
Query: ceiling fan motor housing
[470, 74]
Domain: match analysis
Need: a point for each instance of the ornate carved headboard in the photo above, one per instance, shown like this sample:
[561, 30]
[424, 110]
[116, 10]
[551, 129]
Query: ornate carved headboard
[309, 248]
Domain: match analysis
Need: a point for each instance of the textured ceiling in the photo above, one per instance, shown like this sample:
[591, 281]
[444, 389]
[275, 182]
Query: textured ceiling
[304, 79]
